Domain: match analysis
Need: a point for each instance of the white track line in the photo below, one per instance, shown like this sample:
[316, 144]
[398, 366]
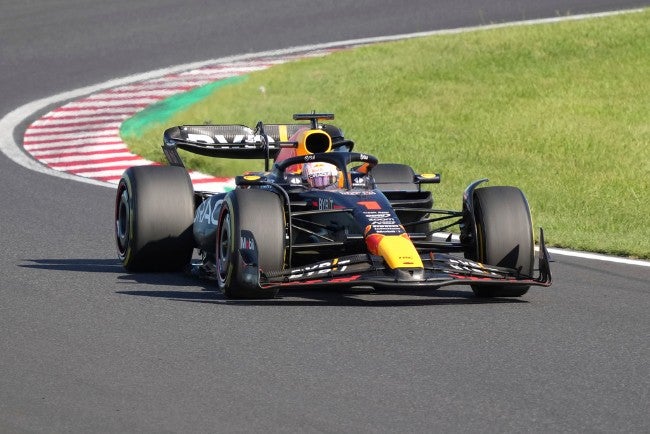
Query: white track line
[598, 257]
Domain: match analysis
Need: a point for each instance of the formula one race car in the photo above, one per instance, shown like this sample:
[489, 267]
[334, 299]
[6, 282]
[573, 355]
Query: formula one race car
[321, 215]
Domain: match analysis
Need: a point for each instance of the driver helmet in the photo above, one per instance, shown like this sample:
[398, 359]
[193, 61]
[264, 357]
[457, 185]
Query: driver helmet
[320, 175]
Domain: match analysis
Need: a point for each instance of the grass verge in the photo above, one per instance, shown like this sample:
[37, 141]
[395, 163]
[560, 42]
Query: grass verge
[560, 110]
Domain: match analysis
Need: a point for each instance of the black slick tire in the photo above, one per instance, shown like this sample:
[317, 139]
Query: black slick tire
[397, 182]
[154, 213]
[249, 214]
[390, 177]
[504, 236]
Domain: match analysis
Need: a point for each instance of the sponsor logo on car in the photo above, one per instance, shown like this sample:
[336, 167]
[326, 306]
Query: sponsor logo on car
[320, 268]
[207, 212]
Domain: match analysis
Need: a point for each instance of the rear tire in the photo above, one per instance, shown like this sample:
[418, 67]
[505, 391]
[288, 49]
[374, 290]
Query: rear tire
[154, 213]
[397, 182]
[504, 236]
[390, 177]
[259, 213]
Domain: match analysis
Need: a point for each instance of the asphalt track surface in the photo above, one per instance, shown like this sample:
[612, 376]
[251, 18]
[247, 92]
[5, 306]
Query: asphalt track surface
[86, 347]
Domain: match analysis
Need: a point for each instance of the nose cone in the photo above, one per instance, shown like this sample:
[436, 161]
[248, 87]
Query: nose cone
[397, 250]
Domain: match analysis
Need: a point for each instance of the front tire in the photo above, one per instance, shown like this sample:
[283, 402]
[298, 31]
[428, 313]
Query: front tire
[504, 236]
[154, 213]
[249, 216]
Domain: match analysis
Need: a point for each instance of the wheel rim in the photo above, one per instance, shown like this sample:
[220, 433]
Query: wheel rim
[224, 242]
[122, 222]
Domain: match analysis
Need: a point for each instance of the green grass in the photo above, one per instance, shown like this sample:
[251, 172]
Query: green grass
[560, 110]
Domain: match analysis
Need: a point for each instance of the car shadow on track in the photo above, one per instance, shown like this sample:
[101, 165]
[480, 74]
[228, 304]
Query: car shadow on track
[71, 264]
[204, 290]
[332, 297]
[110, 266]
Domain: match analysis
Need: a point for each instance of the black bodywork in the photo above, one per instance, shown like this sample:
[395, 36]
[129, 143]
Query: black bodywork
[327, 232]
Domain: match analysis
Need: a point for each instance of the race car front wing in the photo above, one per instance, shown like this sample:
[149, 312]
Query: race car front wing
[440, 269]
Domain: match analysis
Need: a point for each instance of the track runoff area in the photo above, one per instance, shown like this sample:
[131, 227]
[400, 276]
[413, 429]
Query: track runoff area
[81, 138]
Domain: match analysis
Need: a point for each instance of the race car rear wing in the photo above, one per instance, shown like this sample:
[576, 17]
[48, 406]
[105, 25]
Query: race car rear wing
[228, 141]
[242, 142]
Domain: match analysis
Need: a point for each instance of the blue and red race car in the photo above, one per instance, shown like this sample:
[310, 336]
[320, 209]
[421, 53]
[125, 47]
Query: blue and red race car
[320, 215]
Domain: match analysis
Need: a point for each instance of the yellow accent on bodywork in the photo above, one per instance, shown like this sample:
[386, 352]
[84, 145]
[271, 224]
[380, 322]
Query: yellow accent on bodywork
[399, 252]
[303, 137]
[283, 133]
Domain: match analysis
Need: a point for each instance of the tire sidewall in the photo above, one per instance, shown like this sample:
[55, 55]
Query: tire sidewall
[237, 203]
[225, 278]
[503, 224]
[125, 248]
